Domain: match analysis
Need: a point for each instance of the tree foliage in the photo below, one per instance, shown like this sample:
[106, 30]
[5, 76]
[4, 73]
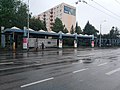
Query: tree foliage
[15, 13]
[114, 32]
[36, 24]
[58, 26]
[72, 30]
[21, 16]
[7, 12]
[65, 30]
[44, 26]
[89, 29]
[78, 29]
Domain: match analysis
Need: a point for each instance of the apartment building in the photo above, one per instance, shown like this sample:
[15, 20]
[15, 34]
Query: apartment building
[66, 13]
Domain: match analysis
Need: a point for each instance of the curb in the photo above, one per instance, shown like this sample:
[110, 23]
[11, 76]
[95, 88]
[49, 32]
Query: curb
[30, 50]
[36, 65]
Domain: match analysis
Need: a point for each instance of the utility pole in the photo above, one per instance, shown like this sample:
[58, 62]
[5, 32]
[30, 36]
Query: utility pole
[100, 36]
[100, 32]
[28, 28]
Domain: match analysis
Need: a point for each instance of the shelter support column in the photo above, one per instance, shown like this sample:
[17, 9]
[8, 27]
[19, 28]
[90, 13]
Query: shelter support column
[25, 39]
[75, 41]
[60, 43]
[36, 44]
[92, 42]
[2, 38]
[14, 41]
[60, 40]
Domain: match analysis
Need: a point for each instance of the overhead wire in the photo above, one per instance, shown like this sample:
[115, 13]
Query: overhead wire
[101, 10]
[106, 8]
[117, 1]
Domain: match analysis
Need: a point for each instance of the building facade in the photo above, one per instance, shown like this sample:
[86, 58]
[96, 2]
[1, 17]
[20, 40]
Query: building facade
[65, 12]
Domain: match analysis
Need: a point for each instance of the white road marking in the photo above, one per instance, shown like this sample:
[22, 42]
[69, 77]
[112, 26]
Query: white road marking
[113, 71]
[33, 83]
[81, 80]
[6, 63]
[102, 64]
[80, 70]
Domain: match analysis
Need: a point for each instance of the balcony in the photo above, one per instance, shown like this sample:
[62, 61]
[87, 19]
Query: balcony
[44, 15]
[51, 16]
[51, 12]
[51, 24]
[44, 19]
[51, 20]
[51, 27]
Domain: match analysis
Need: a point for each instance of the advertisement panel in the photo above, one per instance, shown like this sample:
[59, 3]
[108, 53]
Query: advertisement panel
[92, 43]
[25, 40]
[69, 10]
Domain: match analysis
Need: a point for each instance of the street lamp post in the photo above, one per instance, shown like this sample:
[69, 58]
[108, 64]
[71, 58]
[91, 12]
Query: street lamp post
[100, 32]
[100, 36]
[28, 27]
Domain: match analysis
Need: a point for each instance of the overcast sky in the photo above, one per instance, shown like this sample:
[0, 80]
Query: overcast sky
[96, 11]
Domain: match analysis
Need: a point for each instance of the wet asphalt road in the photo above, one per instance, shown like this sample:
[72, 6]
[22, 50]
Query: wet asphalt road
[85, 69]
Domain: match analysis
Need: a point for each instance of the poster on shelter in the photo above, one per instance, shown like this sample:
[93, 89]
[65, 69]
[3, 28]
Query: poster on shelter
[25, 41]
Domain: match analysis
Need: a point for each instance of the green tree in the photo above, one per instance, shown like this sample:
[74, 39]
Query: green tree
[113, 32]
[13, 13]
[65, 30]
[7, 11]
[78, 29]
[36, 24]
[116, 31]
[21, 15]
[58, 25]
[90, 30]
[44, 24]
[72, 30]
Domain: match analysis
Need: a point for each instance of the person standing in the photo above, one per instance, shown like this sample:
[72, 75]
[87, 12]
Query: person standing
[42, 45]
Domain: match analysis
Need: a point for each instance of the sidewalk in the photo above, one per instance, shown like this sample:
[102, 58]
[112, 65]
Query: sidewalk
[2, 51]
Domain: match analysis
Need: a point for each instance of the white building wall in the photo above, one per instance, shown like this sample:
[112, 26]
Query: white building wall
[47, 42]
